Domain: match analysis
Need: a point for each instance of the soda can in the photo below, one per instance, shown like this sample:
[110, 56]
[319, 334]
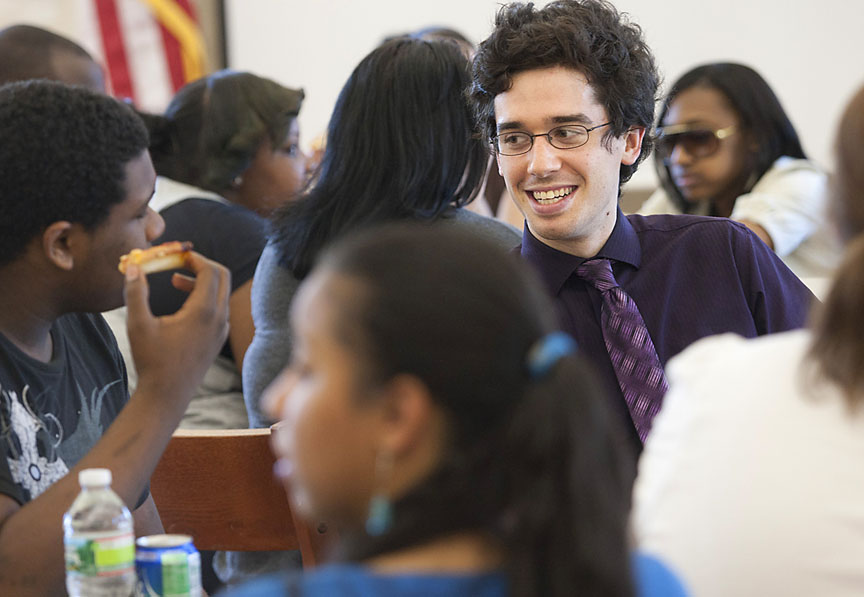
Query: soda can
[167, 566]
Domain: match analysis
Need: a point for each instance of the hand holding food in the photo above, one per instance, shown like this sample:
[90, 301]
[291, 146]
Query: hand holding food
[173, 352]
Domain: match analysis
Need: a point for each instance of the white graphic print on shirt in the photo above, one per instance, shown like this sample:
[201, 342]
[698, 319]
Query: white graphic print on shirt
[34, 471]
[36, 443]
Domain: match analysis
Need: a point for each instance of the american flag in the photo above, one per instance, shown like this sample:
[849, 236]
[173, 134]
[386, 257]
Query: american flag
[149, 48]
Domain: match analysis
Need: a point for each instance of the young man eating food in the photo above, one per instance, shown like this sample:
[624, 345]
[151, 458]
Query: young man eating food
[77, 180]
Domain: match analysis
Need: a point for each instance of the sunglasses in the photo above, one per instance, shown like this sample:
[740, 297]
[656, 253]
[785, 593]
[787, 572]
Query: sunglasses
[697, 142]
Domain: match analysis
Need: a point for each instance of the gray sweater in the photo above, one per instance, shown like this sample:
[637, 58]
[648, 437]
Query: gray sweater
[273, 289]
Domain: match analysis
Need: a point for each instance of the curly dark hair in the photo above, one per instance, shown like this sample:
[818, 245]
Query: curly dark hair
[590, 36]
[63, 157]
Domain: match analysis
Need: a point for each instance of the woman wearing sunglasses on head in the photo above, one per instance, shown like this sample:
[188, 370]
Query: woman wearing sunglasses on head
[726, 148]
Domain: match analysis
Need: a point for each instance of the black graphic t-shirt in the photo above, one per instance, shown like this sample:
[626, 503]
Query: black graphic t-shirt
[52, 414]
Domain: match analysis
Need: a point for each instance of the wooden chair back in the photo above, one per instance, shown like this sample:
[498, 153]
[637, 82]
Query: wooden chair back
[218, 486]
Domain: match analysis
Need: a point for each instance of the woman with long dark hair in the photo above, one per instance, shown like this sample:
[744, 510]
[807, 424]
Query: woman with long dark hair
[751, 481]
[434, 415]
[400, 146]
[725, 147]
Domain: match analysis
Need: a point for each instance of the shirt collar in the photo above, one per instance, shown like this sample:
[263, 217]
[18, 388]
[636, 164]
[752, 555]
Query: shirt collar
[555, 266]
[623, 244]
[170, 191]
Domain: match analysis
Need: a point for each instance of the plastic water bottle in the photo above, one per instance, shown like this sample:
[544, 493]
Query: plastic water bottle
[99, 540]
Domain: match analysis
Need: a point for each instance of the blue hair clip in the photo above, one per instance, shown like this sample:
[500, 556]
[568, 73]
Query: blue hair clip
[547, 351]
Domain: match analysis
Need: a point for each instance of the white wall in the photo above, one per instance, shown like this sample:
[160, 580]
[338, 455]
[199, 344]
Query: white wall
[806, 50]
[315, 44]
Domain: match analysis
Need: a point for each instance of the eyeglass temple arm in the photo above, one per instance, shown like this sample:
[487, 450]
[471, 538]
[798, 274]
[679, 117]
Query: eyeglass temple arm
[677, 129]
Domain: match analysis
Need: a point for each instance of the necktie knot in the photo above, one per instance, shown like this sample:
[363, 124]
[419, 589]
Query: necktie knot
[598, 272]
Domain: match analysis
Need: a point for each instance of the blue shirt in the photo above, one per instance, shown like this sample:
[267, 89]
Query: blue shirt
[653, 579]
[690, 277]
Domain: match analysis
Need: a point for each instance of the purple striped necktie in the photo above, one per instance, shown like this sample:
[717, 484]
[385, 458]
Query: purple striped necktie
[634, 358]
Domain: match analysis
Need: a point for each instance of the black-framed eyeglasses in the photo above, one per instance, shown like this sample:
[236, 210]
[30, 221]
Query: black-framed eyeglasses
[568, 136]
[697, 141]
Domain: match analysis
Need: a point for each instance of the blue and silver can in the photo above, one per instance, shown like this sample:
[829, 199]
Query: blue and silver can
[168, 566]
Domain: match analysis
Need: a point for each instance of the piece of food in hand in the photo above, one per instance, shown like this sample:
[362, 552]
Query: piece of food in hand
[170, 255]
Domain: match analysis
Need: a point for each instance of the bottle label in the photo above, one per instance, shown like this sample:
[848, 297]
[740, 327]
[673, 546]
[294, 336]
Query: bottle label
[100, 554]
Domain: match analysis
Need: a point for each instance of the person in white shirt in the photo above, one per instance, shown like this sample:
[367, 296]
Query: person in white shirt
[726, 148]
[751, 482]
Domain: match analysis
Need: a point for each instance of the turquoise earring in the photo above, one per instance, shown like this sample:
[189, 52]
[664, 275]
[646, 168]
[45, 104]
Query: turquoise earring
[380, 516]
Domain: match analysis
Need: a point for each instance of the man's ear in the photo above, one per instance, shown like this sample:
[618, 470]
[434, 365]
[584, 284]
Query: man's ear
[632, 145]
[410, 417]
[58, 243]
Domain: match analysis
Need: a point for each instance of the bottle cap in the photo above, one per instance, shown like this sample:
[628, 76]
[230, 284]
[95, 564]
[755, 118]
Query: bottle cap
[94, 477]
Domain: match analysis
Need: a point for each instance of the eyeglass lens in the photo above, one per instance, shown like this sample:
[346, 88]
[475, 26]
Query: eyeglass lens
[698, 144]
[561, 137]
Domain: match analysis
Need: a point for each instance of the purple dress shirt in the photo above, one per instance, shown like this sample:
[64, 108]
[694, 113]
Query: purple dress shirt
[690, 277]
